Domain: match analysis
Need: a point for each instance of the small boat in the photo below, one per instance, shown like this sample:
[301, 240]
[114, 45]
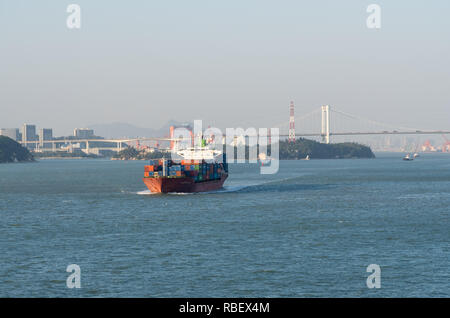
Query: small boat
[264, 159]
[416, 155]
[306, 158]
[408, 157]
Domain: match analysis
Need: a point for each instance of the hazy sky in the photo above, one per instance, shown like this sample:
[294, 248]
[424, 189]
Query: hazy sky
[227, 62]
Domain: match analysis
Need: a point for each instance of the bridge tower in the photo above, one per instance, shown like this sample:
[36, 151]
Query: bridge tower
[291, 123]
[326, 124]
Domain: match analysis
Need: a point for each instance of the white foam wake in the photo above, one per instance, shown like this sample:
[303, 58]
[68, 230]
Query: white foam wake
[145, 192]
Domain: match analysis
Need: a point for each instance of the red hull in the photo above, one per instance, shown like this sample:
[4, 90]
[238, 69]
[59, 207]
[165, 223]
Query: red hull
[185, 184]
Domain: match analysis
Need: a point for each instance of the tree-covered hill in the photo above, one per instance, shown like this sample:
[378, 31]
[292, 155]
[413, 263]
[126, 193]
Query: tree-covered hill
[133, 154]
[288, 151]
[316, 150]
[12, 151]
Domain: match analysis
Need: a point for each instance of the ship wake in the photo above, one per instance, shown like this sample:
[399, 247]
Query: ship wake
[145, 192]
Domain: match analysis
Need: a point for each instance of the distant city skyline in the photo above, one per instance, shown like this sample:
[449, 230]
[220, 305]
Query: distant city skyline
[391, 142]
[234, 63]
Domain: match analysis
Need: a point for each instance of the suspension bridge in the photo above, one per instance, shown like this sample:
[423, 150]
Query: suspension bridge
[326, 122]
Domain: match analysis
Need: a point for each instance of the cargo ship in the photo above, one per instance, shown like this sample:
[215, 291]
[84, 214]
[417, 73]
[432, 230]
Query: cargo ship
[200, 172]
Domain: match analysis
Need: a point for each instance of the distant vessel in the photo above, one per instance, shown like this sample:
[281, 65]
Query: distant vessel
[198, 172]
[416, 155]
[264, 159]
[408, 157]
[306, 158]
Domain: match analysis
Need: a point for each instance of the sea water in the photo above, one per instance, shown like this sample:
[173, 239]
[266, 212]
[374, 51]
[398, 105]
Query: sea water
[311, 230]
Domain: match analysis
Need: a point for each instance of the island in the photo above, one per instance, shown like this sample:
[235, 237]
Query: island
[64, 155]
[12, 151]
[131, 153]
[303, 148]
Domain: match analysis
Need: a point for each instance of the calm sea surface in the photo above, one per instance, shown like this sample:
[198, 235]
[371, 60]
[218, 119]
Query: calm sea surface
[310, 230]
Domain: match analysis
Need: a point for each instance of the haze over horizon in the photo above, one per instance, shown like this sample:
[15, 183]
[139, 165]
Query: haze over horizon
[230, 63]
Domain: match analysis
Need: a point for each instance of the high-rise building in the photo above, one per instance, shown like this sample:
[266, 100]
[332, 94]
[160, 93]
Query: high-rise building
[29, 132]
[45, 134]
[83, 133]
[12, 133]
